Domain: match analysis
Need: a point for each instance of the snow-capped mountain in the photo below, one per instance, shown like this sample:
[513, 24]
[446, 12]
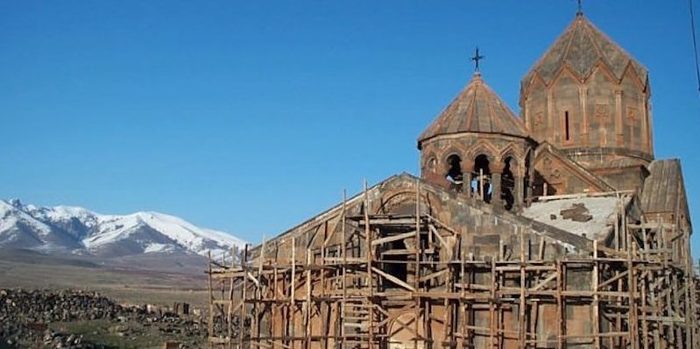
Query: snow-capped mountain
[75, 230]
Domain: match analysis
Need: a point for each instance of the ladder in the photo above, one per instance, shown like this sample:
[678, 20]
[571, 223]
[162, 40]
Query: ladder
[358, 315]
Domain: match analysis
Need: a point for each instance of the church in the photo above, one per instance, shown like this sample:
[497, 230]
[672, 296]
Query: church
[557, 228]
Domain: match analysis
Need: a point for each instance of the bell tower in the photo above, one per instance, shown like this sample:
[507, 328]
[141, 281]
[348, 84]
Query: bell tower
[477, 146]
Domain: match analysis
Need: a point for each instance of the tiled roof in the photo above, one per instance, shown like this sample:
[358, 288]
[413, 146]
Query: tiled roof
[476, 109]
[663, 190]
[581, 47]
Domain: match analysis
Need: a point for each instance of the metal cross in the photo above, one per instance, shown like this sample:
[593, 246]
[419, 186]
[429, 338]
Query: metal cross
[477, 57]
[580, 8]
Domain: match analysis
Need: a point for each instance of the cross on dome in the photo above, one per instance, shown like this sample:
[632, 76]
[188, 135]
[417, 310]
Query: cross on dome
[477, 57]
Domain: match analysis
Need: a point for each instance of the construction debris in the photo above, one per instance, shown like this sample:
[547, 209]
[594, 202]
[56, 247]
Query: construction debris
[577, 213]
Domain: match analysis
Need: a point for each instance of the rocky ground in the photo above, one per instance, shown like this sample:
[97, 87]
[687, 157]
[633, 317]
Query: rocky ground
[79, 319]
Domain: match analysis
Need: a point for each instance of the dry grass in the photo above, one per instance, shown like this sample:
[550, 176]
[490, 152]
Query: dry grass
[125, 286]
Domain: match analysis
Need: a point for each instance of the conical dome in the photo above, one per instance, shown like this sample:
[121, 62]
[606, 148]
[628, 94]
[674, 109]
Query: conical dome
[581, 47]
[477, 109]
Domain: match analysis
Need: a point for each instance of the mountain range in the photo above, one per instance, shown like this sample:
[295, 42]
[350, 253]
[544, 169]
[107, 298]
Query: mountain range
[67, 230]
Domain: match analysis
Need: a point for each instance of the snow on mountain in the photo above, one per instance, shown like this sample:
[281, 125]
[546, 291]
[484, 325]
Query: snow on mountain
[63, 213]
[78, 230]
[20, 229]
[12, 215]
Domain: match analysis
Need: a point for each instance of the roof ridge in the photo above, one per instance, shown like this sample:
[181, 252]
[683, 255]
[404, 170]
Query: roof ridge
[472, 111]
[612, 41]
[573, 28]
[589, 34]
[541, 58]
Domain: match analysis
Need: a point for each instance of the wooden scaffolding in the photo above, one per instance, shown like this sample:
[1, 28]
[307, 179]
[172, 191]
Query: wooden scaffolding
[407, 281]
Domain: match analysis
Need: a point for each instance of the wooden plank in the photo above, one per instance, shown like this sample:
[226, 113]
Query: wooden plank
[211, 300]
[398, 252]
[594, 287]
[393, 279]
[416, 276]
[393, 238]
[438, 236]
[343, 252]
[433, 275]
[544, 282]
[370, 286]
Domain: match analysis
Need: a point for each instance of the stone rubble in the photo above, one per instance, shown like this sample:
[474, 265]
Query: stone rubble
[578, 212]
[26, 314]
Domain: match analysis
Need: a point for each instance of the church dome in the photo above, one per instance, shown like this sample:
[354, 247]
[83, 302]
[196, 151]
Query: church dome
[477, 109]
[589, 98]
[477, 135]
[581, 48]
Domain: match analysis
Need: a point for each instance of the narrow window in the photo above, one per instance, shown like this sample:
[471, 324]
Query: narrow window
[481, 184]
[566, 125]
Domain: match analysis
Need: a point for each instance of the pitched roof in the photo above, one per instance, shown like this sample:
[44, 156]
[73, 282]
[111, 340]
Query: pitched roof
[476, 109]
[581, 171]
[409, 181]
[581, 47]
[664, 190]
[602, 211]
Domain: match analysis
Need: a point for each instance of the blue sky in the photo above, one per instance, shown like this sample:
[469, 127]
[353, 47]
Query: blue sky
[252, 116]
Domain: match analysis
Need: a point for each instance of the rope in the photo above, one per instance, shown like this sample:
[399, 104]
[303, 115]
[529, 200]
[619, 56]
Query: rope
[695, 42]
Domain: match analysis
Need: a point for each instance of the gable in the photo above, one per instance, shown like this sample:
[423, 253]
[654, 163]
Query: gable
[484, 227]
[563, 175]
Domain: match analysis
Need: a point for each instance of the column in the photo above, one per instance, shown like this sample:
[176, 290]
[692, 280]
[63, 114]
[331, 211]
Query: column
[619, 126]
[549, 133]
[583, 98]
[528, 189]
[518, 195]
[467, 174]
[496, 171]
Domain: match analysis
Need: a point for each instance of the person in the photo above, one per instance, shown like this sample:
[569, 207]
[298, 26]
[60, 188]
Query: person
[456, 181]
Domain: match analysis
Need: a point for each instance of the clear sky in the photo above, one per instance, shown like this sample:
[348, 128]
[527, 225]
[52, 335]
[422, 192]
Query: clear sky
[252, 116]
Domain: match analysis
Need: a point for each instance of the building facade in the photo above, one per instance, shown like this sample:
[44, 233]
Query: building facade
[553, 229]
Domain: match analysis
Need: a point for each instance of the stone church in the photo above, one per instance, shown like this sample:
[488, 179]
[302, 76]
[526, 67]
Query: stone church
[553, 229]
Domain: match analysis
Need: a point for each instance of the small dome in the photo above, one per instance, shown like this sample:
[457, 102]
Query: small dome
[476, 109]
[581, 47]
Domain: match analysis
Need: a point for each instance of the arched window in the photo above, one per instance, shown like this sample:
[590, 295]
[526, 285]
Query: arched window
[432, 163]
[454, 172]
[481, 184]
